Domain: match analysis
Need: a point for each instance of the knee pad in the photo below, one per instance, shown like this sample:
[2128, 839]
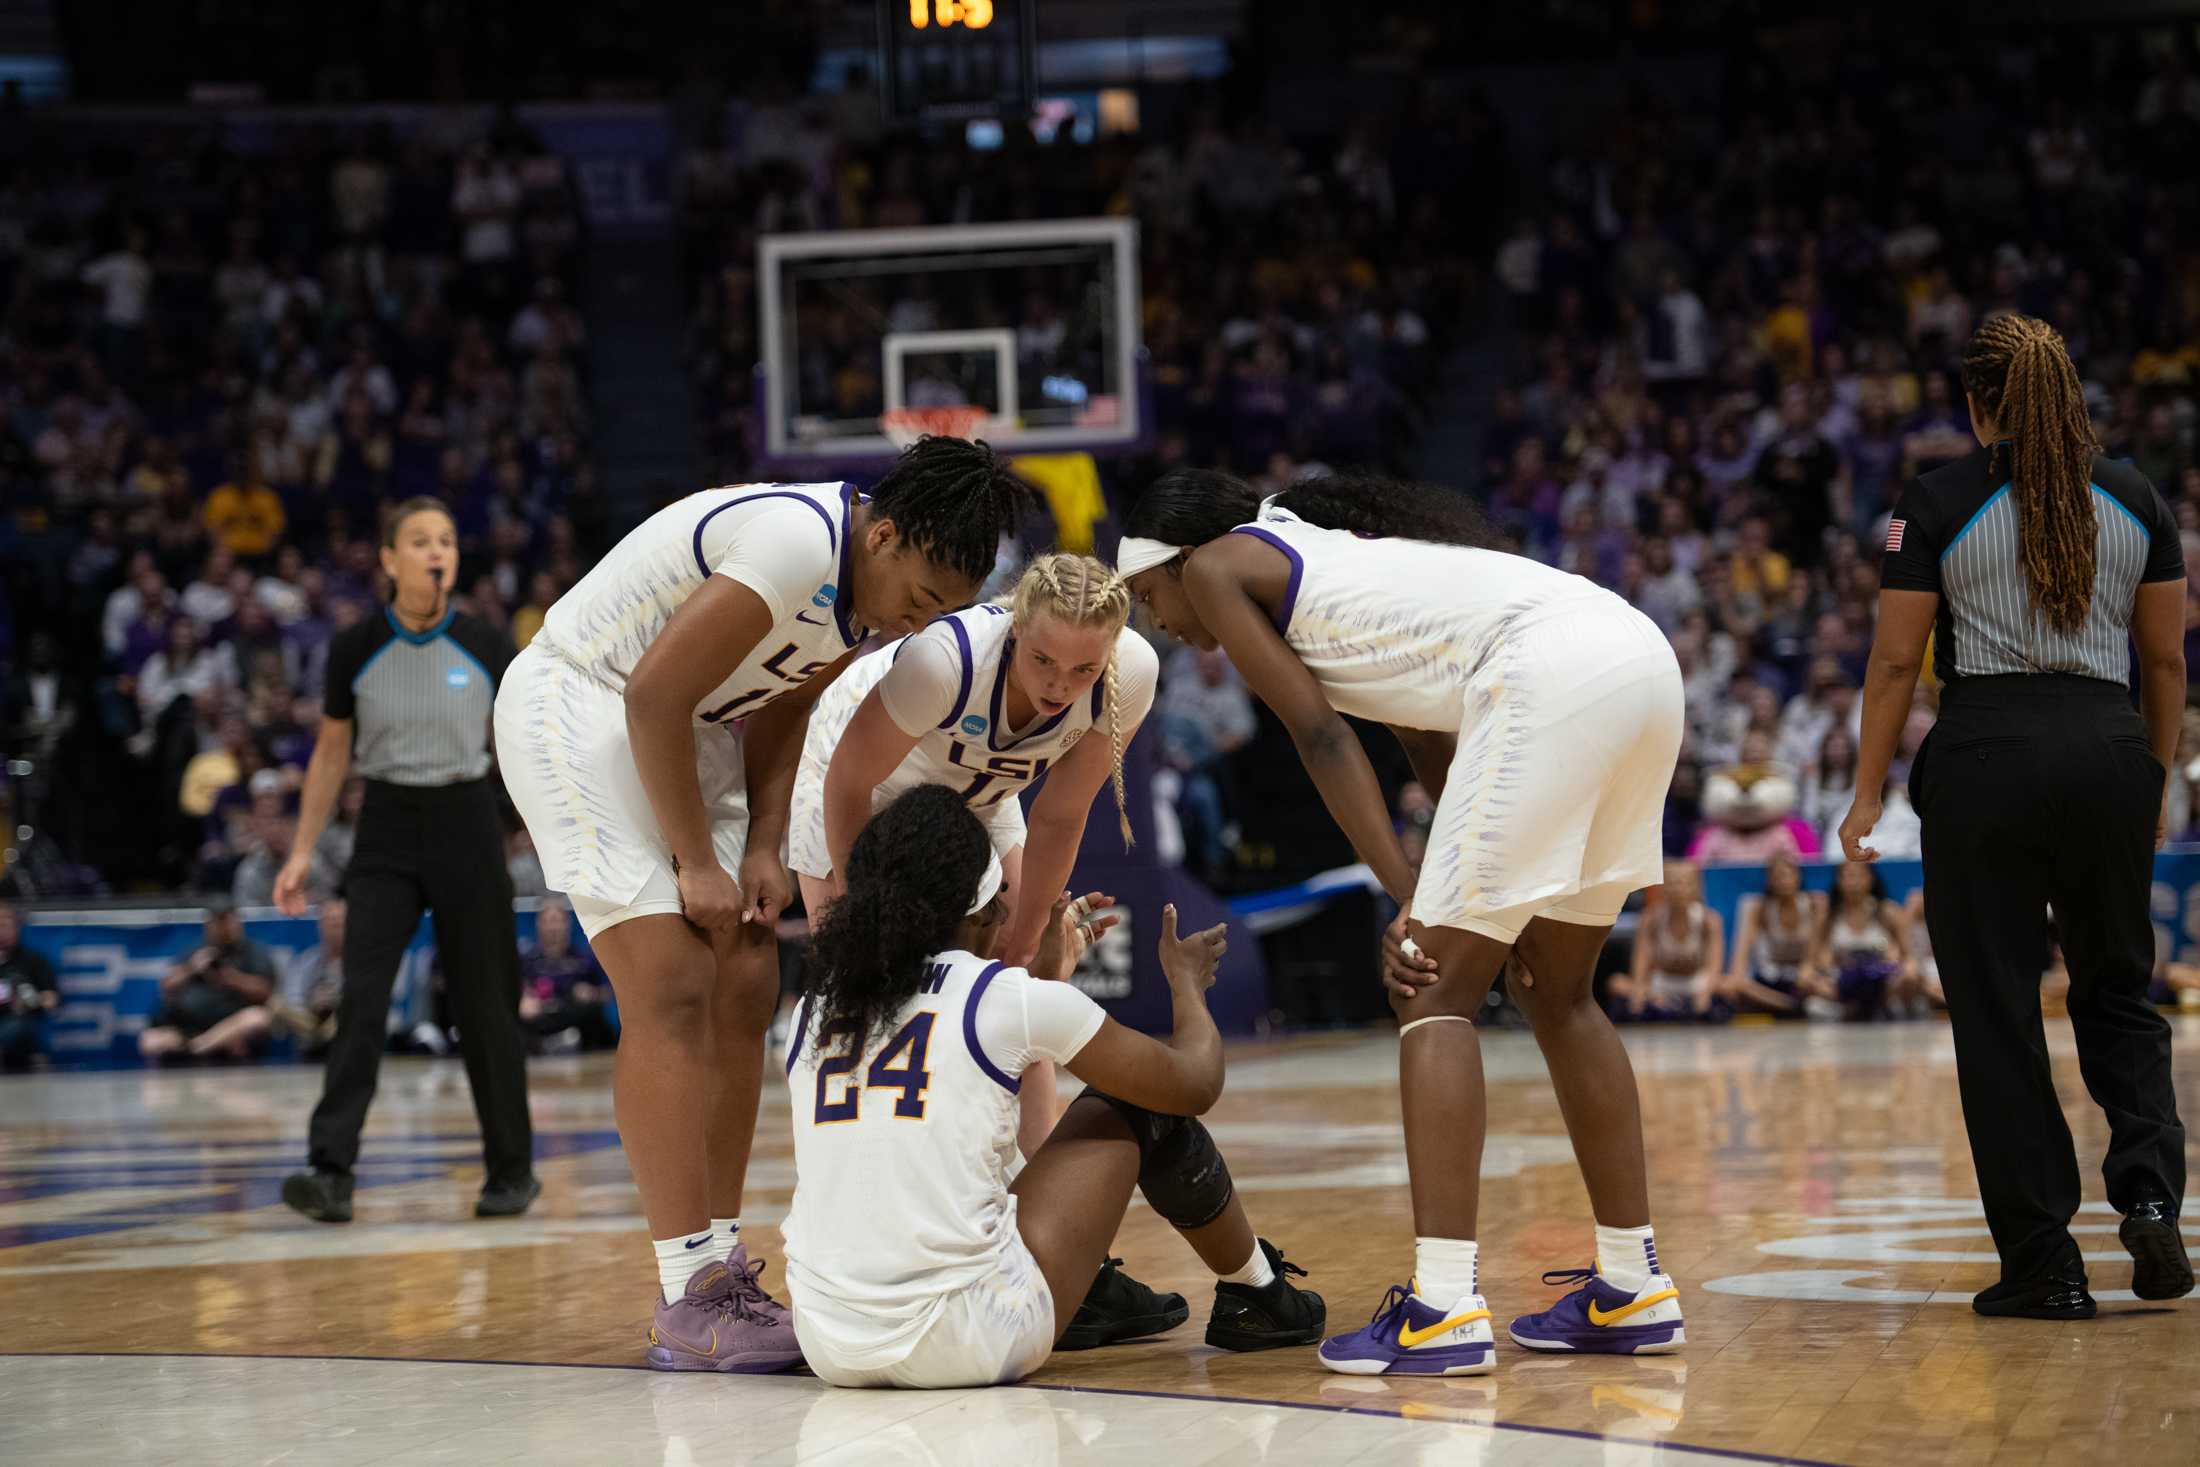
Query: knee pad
[1181, 1174]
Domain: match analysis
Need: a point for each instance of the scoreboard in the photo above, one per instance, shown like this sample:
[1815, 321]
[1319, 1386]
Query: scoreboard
[944, 59]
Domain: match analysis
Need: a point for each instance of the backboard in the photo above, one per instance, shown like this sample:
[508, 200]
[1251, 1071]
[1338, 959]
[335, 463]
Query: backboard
[1036, 323]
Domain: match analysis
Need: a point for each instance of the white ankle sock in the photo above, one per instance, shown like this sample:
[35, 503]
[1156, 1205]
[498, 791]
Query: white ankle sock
[1255, 1272]
[1626, 1257]
[727, 1230]
[682, 1258]
[1446, 1270]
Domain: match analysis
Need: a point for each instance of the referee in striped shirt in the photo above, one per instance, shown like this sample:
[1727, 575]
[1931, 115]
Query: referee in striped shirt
[2033, 564]
[409, 695]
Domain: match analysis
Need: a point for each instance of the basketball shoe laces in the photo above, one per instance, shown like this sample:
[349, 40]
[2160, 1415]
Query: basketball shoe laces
[746, 1293]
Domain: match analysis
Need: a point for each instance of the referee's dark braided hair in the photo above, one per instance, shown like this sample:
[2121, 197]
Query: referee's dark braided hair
[2017, 369]
[1193, 506]
[952, 498]
[911, 874]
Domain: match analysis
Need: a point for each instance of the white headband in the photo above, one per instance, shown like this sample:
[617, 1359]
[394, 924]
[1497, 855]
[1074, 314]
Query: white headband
[989, 885]
[1135, 555]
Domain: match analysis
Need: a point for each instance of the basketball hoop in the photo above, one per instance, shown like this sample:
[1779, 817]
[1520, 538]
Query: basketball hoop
[905, 425]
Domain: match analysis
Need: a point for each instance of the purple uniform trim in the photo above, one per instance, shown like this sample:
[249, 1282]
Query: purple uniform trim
[844, 602]
[795, 1032]
[1000, 687]
[1298, 572]
[970, 1031]
[969, 670]
[833, 537]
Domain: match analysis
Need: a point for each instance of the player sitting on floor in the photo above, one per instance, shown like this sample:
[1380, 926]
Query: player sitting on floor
[916, 1254]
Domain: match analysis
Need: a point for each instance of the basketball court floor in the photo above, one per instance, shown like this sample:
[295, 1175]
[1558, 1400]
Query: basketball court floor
[1813, 1193]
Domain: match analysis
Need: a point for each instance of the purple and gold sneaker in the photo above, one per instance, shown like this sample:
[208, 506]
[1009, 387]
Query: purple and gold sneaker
[714, 1326]
[1410, 1336]
[1599, 1319]
[741, 1283]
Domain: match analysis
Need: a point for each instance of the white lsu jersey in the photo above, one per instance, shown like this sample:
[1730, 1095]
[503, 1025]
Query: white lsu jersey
[948, 685]
[1392, 629]
[904, 1152]
[788, 543]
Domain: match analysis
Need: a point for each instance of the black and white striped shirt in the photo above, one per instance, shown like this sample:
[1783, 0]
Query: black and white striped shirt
[1954, 532]
[419, 702]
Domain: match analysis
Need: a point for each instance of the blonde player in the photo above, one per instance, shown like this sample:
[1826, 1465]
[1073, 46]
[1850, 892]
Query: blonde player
[913, 1258]
[649, 736]
[1544, 713]
[986, 702]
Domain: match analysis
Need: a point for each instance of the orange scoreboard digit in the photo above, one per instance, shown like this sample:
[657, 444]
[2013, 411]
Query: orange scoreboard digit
[946, 59]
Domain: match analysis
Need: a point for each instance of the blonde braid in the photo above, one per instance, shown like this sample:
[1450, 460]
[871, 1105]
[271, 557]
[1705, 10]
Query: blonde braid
[1115, 749]
[1084, 593]
[2018, 370]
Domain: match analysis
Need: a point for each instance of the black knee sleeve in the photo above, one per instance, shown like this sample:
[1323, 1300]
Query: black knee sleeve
[1182, 1175]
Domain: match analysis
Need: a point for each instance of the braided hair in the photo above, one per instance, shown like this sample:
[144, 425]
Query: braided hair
[2019, 373]
[1084, 593]
[953, 499]
[911, 875]
[1193, 506]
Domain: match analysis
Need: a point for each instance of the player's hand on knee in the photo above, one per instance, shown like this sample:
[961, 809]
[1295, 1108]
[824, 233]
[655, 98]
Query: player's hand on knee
[710, 898]
[1192, 960]
[1406, 969]
[769, 889]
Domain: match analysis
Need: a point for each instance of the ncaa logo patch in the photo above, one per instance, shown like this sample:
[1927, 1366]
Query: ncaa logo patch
[457, 677]
[973, 725]
[825, 596]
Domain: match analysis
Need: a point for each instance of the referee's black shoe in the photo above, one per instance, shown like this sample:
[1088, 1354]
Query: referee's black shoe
[1269, 1317]
[321, 1195]
[2056, 1292]
[1117, 1308]
[508, 1199]
[2160, 1268]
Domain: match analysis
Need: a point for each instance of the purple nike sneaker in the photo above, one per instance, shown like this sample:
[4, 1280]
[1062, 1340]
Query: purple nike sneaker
[741, 1283]
[1410, 1336]
[714, 1326]
[1599, 1319]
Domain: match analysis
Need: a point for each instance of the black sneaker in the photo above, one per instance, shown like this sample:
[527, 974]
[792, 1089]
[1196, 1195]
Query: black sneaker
[508, 1199]
[1269, 1317]
[2160, 1268]
[1117, 1308]
[2042, 1298]
[321, 1195]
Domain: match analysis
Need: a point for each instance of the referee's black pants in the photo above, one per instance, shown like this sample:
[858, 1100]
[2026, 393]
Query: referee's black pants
[2042, 790]
[439, 848]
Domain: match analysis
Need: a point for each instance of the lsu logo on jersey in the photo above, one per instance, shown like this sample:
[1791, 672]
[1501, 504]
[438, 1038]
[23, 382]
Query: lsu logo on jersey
[974, 725]
[825, 596]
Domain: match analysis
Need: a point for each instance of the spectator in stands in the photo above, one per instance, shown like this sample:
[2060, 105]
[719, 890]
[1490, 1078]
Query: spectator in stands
[313, 982]
[1862, 948]
[184, 668]
[269, 833]
[1679, 953]
[564, 998]
[1206, 717]
[1774, 935]
[29, 994]
[213, 1003]
[245, 515]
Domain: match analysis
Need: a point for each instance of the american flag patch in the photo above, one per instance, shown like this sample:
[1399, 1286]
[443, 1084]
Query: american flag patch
[1894, 535]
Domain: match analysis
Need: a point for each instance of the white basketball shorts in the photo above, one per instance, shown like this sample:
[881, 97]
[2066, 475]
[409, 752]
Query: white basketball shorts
[562, 747]
[1555, 801]
[998, 1330]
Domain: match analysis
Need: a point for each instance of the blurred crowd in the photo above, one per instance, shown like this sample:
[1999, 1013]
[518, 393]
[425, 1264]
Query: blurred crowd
[1735, 333]
[215, 370]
